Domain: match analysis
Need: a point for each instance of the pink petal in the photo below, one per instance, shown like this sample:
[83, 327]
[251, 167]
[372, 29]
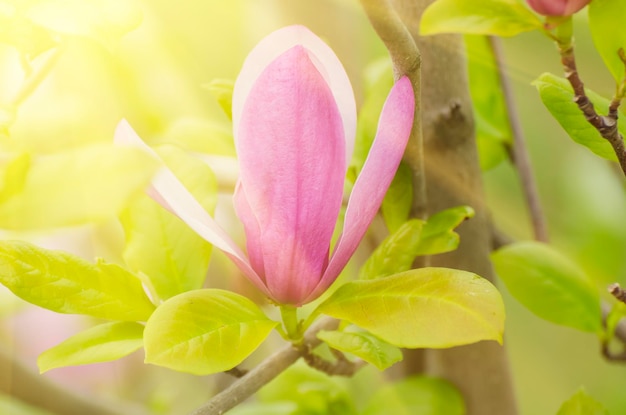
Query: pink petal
[324, 59]
[291, 149]
[168, 191]
[394, 127]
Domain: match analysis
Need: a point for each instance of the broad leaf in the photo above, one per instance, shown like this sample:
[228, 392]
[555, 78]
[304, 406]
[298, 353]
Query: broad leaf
[396, 253]
[557, 95]
[550, 285]
[205, 331]
[89, 184]
[417, 395]
[311, 391]
[493, 131]
[222, 90]
[159, 245]
[201, 136]
[479, 17]
[362, 344]
[582, 404]
[65, 283]
[427, 307]
[438, 234]
[414, 238]
[102, 20]
[102, 343]
[398, 200]
[606, 21]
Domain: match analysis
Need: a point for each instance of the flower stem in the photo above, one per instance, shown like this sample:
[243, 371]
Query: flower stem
[290, 322]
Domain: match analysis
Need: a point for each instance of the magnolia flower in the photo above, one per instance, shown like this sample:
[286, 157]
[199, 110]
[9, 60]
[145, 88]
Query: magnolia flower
[294, 124]
[557, 7]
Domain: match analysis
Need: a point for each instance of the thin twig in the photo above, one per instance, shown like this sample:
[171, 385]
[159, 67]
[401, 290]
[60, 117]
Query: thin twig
[406, 60]
[519, 152]
[256, 378]
[341, 367]
[605, 125]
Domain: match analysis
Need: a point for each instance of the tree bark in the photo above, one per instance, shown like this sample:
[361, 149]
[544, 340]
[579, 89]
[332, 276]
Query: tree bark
[453, 177]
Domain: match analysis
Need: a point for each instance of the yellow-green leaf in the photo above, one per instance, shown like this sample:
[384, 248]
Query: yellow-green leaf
[79, 186]
[478, 17]
[65, 283]
[158, 244]
[222, 90]
[550, 285]
[427, 307]
[103, 343]
[557, 95]
[364, 345]
[606, 21]
[205, 331]
[417, 395]
[582, 404]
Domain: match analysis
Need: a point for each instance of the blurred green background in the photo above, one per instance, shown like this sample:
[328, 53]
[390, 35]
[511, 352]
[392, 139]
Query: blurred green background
[154, 76]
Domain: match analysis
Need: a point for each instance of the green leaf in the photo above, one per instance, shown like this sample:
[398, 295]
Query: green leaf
[102, 343]
[396, 253]
[582, 404]
[415, 237]
[606, 21]
[312, 392]
[438, 234]
[398, 200]
[201, 136]
[79, 186]
[427, 307]
[159, 245]
[67, 284]
[417, 395]
[205, 331]
[363, 345]
[550, 285]
[479, 17]
[557, 95]
[493, 131]
[222, 91]
[102, 20]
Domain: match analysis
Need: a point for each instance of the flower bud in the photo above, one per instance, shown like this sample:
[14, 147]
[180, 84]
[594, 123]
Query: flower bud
[557, 7]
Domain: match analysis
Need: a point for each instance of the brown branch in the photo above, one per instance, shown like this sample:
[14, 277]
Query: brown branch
[618, 292]
[518, 152]
[22, 383]
[406, 60]
[341, 367]
[606, 125]
[256, 378]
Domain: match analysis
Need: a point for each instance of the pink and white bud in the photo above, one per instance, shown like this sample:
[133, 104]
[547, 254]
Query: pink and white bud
[294, 124]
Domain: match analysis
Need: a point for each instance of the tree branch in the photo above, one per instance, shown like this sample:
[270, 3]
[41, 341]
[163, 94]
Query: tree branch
[256, 378]
[605, 125]
[406, 60]
[20, 382]
[519, 153]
